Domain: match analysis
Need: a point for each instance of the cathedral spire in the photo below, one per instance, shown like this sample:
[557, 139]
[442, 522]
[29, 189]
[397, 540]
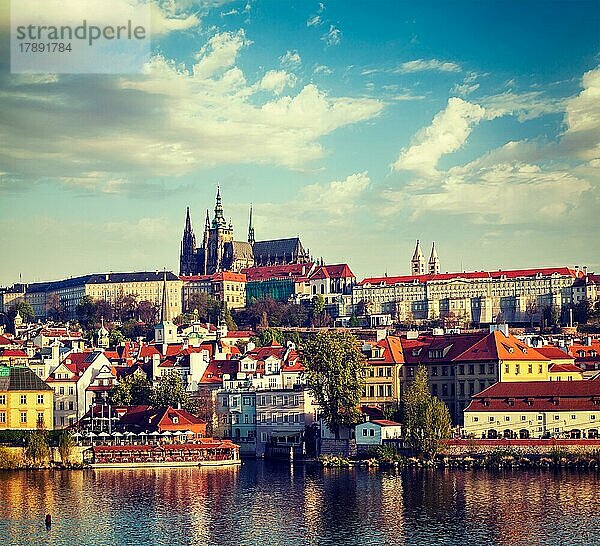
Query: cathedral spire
[188, 247]
[417, 264]
[219, 220]
[434, 261]
[250, 228]
[165, 306]
[188, 220]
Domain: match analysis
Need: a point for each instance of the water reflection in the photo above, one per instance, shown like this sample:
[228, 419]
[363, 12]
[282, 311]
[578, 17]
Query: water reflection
[262, 503]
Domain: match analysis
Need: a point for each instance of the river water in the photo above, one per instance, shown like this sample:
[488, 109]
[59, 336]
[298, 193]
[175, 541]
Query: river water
[275, 504]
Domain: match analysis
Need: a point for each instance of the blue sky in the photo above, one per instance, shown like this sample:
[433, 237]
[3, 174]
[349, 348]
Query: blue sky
[360, 126]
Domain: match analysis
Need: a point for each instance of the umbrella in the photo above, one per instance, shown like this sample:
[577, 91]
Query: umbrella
[90, 434]
[166, 433]
[104, 435]
[76, 435]
[177, 433]
[129, 433]
[155, 433]
[189, 433]
[117, 434]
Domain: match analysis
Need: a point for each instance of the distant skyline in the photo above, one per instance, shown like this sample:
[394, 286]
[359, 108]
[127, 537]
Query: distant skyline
[359, 126]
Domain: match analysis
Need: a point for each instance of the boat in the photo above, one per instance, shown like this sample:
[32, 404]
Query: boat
[204, 452]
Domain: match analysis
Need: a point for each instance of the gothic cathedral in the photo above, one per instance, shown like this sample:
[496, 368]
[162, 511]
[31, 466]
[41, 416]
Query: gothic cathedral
[219, 252]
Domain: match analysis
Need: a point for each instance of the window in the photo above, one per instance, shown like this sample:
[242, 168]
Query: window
[592, 417]
[491, 368]
[471, 388]
[471, 369]
[444, 390]
[444, 370]
[530, 368]
[517, 369]
[461, 369]
[506, 368]
[507, 418]
[2, 399]
[556, 417]
[40, 398]
[461, 389]
[23, 399]
[573, 416]
[491, 418]
[540, 418]
[523, 418]
[246, 419]
[475, 419]
[70, 391]
[23, 417]
[2, 417]
[61, 390]
[40, 418]
[481, 369]
[225, 402]
[371, 432]
[434, 389]
[175, 420]
[61, 405]
[364, 431]
[71, 405]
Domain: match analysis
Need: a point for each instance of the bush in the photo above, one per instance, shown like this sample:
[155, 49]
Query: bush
[9, 459]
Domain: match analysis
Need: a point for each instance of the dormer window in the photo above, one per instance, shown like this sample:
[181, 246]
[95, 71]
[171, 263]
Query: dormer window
[175, 420]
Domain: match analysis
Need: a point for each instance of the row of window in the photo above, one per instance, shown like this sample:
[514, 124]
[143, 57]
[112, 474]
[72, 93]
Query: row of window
[22, 399]
[383, 391]
[23, 417]
[507, 418]
[61, 406]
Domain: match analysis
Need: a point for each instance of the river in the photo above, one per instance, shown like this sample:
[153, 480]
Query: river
[275, 504]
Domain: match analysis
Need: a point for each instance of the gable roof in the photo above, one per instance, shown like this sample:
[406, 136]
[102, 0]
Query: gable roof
[21, 378]
[497, 346]
[278, 247]
[265, 273]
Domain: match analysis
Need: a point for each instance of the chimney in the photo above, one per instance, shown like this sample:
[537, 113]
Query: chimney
[381, 333]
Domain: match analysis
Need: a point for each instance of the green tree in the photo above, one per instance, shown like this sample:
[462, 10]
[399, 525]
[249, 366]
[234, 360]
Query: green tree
[24, 309]
[170, 391]
[334, 372]
[103, 310]
[270, 335]
[125, 307]
[65, 446]
[55, 310]
[551, 315]
[147, 312]
[86, 312]
[36, 447]
[134, 390]
[426, 418]
[582, 311]
[353, 322]
[116, 337]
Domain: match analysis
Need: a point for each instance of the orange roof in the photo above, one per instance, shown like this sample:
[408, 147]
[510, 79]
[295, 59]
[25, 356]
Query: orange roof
[564, 368]
[497, 346]
[553, 353]
[220, 276]
[337, 271]
[294, 271]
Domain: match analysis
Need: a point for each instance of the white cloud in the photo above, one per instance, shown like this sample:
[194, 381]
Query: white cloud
[322, 69]
[402, 97]
[228, 13]
[582, 118]
[338, 198]
[421, 65]
[499, 194]
[166, 123]
[448, 131]
[525, 106]
[277, 81]
[332, 37]
[314, 21]
[290, 60]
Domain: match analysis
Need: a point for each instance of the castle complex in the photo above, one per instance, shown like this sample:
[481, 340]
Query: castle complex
[220, 252]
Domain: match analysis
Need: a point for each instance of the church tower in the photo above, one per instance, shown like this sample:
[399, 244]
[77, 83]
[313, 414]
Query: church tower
[165, 331]
[220, 234]
[187, 258]
[417, 264]
[434, 261]
[250, 229]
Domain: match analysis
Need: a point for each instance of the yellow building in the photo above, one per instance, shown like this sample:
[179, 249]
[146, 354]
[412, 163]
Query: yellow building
[144, 285]
[535, 409]
[225, 286]
[26, 402]
[382, 372]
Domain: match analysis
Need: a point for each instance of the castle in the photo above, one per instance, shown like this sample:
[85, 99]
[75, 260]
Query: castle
[219, 252]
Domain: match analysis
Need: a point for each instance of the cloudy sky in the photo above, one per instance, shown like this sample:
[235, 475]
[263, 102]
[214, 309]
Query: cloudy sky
[359, 126]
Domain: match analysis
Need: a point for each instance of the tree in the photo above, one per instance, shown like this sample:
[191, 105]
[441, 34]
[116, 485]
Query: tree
[353, 322]
[86, 312]
[116, 337]
[134, 390]
[334, 373]
[208, 307]
[426, 418]
[270, 335]
[531, 310]
[65, 446]
[147, 312]
[133, 329]
[551, 314]
[24, 309]
[55, 310]
[36, 447]
[103, 310]
[170, 391]
[125, 307]
[226, 314]
[582, 311]
[206, 408]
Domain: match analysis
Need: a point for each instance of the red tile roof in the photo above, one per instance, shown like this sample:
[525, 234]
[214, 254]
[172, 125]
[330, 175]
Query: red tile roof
[216, 277]
[538, 396]
[509, 274]
[553, 353]
[277, 272]
[337, 271]
[216, 368]
[386, 423]
[14, 352]
[565, 368]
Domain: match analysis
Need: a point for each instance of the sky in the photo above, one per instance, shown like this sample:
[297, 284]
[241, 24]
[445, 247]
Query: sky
[360, 126]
